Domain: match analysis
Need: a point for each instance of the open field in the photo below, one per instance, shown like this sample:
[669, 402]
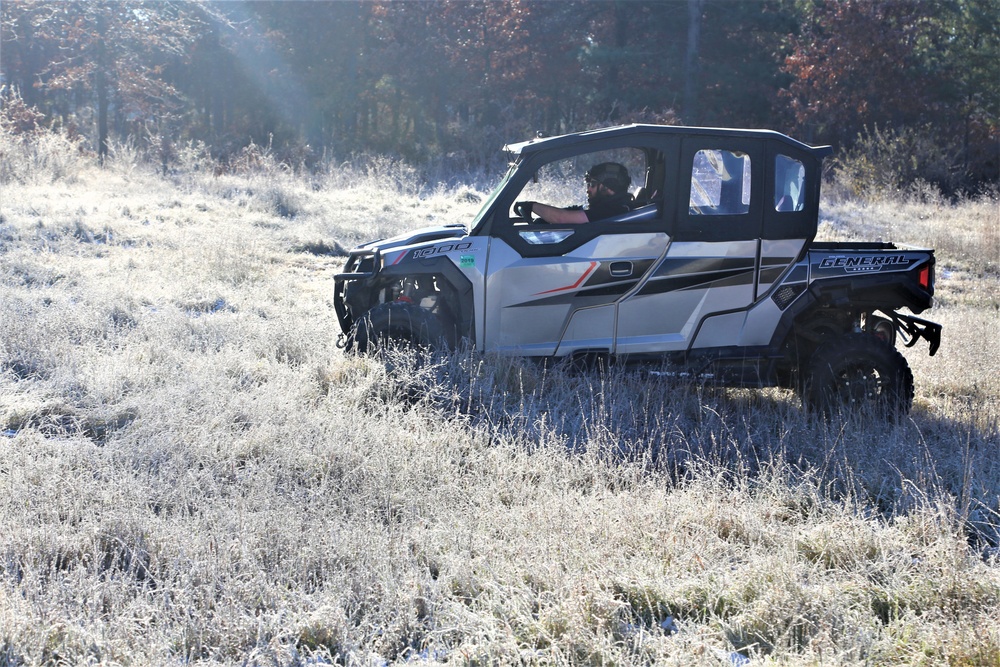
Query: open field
[191, 471]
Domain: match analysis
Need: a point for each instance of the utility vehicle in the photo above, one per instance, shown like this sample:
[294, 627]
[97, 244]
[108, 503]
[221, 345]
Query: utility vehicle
[712, 274]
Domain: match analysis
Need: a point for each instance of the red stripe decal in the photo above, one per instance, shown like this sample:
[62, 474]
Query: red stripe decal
[590, 269]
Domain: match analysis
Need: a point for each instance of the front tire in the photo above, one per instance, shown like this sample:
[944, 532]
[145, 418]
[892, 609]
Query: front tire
[398, 324]
[858, 372]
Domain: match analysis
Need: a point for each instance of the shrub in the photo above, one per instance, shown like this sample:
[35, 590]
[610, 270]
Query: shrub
[885, 163]
[30, 152]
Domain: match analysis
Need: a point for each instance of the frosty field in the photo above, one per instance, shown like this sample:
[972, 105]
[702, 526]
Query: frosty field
[192, 471]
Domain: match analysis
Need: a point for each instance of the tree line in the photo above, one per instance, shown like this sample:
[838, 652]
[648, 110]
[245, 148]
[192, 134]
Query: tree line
[455, 79]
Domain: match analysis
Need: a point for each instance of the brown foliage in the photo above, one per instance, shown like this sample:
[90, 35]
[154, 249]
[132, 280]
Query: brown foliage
[855, 65]
[16, 117]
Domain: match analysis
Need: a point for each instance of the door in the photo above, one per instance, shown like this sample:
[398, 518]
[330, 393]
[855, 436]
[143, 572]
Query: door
[564, 303]
[554, 289]
[711, 266]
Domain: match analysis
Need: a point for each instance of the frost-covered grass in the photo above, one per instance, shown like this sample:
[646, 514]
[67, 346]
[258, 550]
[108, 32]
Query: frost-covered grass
[191, 471]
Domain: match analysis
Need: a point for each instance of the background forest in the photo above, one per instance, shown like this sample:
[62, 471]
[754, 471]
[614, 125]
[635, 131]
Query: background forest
[448, 82]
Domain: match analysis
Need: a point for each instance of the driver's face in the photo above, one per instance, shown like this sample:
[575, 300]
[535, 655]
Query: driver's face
[596, 191]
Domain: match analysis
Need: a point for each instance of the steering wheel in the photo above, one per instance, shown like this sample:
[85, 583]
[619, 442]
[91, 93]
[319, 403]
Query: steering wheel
[522, 209]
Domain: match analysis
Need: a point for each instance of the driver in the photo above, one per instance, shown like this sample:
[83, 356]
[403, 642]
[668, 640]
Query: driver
[607, 195]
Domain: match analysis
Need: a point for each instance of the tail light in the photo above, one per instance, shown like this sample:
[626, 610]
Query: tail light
[925, 278]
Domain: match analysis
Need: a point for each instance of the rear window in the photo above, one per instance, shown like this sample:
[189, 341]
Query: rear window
[720, 183]
[789, 184]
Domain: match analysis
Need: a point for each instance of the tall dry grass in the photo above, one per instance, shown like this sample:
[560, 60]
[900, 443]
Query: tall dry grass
[191, 471]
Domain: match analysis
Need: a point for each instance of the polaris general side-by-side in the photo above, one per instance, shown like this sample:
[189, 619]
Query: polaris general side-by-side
[711, 270]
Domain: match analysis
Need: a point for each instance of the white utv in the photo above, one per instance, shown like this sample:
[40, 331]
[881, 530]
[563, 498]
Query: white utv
[712, 272]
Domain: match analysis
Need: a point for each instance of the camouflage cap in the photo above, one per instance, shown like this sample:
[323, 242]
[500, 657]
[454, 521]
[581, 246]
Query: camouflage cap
[612, 175]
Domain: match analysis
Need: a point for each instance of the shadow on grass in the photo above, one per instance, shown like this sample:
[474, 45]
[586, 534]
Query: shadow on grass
[679, 429]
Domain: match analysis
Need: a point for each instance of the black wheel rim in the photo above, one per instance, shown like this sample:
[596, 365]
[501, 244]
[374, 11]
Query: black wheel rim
[860, 383]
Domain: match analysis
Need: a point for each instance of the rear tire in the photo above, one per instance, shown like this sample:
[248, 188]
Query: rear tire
[398, 324]
[857, 373]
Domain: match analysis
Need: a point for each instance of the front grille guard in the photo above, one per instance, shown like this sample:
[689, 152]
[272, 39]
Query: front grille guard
[352, 272]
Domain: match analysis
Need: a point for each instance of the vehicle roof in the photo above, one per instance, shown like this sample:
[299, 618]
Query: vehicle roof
[637, 129]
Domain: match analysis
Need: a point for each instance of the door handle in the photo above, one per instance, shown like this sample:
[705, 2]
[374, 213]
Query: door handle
[621, 269]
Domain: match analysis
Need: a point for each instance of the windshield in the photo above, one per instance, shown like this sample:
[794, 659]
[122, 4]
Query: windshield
[493, 195]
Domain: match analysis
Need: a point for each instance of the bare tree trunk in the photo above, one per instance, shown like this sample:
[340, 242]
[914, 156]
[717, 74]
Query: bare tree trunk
[614, 90]
[690, 111]
[101, 83]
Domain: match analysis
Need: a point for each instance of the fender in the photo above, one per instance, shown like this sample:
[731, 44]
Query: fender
[457, 282]
[886, 292]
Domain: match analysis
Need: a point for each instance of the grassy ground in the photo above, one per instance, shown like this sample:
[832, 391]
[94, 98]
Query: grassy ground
[190, 470]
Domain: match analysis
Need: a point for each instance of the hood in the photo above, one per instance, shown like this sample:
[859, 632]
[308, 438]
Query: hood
[423, 235]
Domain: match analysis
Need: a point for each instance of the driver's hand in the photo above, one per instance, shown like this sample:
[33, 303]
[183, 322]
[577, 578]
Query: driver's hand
[522, 209]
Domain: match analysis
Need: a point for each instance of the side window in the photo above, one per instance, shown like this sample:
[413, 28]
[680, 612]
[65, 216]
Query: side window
[720, 183]
[568, 183]
[789, 184]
